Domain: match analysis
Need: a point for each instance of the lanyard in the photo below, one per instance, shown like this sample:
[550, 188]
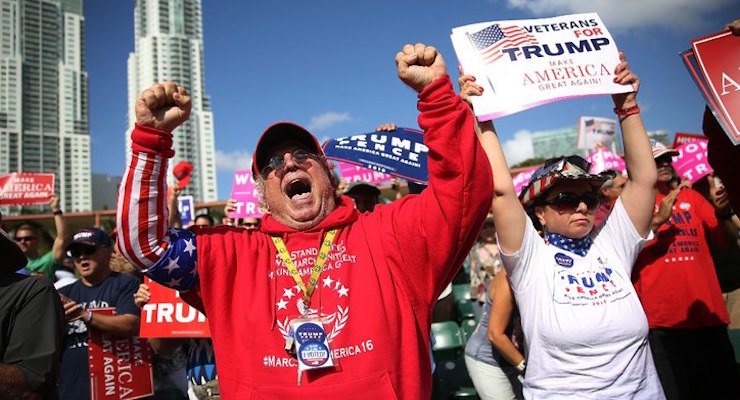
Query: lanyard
[315, 271]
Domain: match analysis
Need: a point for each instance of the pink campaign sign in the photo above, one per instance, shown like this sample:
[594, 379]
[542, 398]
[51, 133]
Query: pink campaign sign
[353, 173]
[691, 162]
[522, 178]
[244, 191]
[603, 160]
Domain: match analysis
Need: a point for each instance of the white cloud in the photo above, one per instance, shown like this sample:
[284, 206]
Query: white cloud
[327, 120]
[231, 161]
[676, 14]
[519, 148]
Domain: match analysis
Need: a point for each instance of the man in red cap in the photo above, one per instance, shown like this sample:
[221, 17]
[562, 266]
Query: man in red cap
[340, 301]
[675, 278]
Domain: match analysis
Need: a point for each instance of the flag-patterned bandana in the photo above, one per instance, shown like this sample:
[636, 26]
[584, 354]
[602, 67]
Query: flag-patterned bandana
[577, 246]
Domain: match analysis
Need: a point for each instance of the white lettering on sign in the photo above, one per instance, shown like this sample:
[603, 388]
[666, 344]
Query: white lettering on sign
[168, 312]
[727, 82]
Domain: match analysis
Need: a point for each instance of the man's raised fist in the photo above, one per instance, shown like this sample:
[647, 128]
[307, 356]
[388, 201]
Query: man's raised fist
[419, 65]
[163, 106]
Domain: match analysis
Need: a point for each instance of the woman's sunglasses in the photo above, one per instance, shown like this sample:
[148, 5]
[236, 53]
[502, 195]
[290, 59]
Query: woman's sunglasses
[567, 201]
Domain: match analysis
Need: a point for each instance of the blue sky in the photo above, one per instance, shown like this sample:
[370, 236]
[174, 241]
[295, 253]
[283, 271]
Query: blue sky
[328, 65]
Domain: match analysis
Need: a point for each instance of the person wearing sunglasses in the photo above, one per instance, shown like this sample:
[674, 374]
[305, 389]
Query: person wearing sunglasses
[585, 331]
[28, 237]
[676, 279]
[98, 287]
[365, 283]
[31, 328]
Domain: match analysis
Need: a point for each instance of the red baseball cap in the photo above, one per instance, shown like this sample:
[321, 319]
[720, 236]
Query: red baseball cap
[281, 132]
[182, 172]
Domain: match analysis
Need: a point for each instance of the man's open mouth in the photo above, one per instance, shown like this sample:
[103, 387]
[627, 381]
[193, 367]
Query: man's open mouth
[298, 189]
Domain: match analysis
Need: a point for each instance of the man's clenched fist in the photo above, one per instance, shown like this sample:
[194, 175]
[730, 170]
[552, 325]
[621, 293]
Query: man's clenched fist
[420, 65]
[163, 106]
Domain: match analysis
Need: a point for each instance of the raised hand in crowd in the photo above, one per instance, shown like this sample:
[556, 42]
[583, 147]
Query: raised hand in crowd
[142, 295]
[385, 127]
[734, 27]
[420, 65]
[230, 206]
[666, 206]
[164, 106]
[60, 241]
[173, 219]
[718, 195]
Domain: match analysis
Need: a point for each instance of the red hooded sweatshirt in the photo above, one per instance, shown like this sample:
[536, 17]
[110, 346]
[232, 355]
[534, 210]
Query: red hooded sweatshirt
[384, 273]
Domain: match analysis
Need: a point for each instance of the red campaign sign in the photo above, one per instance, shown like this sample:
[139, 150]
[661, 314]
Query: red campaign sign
[691, 162]
[718, 56]
[683, 138]
[167, 316]
[119, 368]
[23, 188]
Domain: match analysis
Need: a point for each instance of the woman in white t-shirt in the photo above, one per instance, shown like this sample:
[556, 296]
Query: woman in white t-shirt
[584, 328]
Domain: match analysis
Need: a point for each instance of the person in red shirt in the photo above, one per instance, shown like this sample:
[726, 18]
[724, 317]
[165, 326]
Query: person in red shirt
[363, 284]
[678, 287]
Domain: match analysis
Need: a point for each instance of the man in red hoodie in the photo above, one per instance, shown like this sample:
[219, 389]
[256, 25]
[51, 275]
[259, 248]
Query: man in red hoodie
[370, 280]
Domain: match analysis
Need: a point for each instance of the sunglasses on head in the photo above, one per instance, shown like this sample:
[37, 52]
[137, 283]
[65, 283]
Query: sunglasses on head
[25, 238]
[567, 201]
[79, 251]
[277, 162]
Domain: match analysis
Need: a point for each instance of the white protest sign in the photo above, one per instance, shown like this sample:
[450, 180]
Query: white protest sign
[525, 63]
[595, 130]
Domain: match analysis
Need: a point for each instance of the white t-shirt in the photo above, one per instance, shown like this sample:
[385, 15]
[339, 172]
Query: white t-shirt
[584, 327]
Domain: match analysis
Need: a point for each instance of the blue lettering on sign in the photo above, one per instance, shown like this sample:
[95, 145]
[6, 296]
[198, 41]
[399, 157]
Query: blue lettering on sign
[563, 260]
[581, 46]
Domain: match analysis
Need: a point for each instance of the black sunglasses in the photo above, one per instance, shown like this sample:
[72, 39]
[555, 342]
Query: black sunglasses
[79, 251]
[25, 238]
[277, 162]
[567, 201]
[250, 224]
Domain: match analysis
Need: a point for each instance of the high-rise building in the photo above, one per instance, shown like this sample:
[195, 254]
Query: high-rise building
[169, 47]
[44, 95]
[661, 136]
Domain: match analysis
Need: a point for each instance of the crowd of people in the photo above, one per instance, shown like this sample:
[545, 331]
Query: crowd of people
[584, 285]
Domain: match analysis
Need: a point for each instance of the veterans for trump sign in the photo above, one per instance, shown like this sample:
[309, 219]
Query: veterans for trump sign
[529, 62]
[167, 316]
[21, 188]
[244, 192]
[717, 58]
[400, 152]
[120, 368]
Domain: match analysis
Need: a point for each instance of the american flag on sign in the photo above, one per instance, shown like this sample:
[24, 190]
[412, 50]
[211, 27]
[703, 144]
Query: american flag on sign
[490, 41]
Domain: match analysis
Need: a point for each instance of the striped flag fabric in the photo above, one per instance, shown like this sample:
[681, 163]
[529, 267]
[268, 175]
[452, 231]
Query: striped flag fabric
[491, 40]
[168, 256]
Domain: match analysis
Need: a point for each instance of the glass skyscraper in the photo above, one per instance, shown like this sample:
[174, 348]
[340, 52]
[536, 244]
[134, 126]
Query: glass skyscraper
[44, 95]
[169, 47]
